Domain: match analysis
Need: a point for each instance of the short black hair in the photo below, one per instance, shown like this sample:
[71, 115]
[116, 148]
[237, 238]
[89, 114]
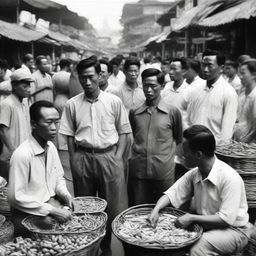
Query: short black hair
[39, 59]
[251, 65]
[104, 61]
[231, 63]
[133, 54]
[146, 60]
[115, 61]
[27, 57]
[182, 61]
[153, 72]
[35, 109]
[219, 56]
[3, 64]
[195, 65]
[65, 63]
[87, 63]
[200, 138]
[131, 61]
[165, 62]
[243, 58]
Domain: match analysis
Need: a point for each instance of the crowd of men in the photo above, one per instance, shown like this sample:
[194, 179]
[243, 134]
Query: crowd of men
[131, 128]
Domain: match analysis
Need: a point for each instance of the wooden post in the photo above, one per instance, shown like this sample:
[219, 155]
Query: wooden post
[18, 11]
[32, 48]
[204, 42]
[186, 44]
[163, 49]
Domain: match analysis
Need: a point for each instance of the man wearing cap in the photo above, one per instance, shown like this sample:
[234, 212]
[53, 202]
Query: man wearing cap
[96, 125]
[14, 117]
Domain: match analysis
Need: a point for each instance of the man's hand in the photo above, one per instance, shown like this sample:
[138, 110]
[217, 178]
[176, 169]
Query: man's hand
[184, 221]
[61, 215]
[68, 201]
[153, 217]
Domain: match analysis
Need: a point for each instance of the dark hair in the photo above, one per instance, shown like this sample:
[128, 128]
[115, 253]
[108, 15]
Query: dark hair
[153, 72]
[231, 63]
[182, 61]
[119, 57]
[115, 61]
[146, 60]
[3, 64]
[165, 62]
[219, 56]
[200, 138]
[87, 63]
[35, 109]
[242, 58]
[131, 61]
[251, 65]
[39, 59]
[133, 54]
[158, 58]
[27, 57]
[65, 63]
[104, 61]
[195, 65]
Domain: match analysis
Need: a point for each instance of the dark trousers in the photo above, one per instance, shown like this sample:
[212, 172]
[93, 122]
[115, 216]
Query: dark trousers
[146, 191]
[102, 175]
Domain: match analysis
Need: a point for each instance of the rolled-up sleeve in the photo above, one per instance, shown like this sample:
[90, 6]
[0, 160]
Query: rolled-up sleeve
[181, 191]
[18, 197]
[121, 118]
[67, 126]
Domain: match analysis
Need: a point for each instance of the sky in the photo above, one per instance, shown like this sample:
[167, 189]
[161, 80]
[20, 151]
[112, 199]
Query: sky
[99, 12]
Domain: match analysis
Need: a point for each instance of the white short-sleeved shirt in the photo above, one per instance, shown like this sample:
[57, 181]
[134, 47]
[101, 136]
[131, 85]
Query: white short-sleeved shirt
[96, 124]
[15, 116]
[214, 107]
[221, 193]
[117, 80]
[32, 182]
[131, 98]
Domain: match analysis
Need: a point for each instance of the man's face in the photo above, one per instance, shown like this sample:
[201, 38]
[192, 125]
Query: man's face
[30, 64]
[89, 80]
[190, 74]
[165, 68]
[43, 67]
[104, 75]
[176, 71]
[210, 68]
[115, 69]
[22, 89]
[151, 88]
[46, 127]
[132, 73]
[246, 76]
[191, 159]
[2, 73]
[229, 71]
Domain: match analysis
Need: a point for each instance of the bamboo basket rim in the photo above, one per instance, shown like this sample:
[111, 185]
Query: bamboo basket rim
[154, 246]
[25, 223]
[85, 198]
[236, 156]
[87, 245]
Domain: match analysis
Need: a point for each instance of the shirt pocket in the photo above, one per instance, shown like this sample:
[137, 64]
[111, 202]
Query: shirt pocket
[108, 124]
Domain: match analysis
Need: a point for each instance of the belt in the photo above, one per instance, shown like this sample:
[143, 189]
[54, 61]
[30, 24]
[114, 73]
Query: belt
[96, 150]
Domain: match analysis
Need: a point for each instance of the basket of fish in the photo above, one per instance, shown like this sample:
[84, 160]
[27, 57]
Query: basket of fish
[79, 225]
[132, 227]
[89, 204]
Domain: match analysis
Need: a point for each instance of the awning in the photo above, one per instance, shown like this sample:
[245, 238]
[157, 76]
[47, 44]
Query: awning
[45, 4]
[191, 16]
[16, 32]
[58, 36]
[163, 35]
[243, 10]
[49, 41]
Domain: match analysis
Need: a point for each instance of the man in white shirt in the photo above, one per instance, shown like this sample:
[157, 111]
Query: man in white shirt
[219, 197]
[213, 104]
[117, 78]
[192, 74]
[165, 68]
[28, 62]
[231, 75]
[36, 180]
[106, 71]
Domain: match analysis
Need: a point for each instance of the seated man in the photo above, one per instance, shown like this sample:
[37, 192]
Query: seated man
[36, 182]
[219, 197]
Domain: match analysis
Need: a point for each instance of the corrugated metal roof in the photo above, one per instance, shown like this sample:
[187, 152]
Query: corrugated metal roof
[243, 10]
[16, 32]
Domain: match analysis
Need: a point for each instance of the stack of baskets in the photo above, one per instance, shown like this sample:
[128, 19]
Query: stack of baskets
[94, 231]
[4, 204]
[242, 157]
[139, 247]
[6, 230]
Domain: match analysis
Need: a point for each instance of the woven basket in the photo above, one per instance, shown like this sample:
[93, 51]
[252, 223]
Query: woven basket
[6, 232]
[96, 204]
[250, 249]
[100, 218]
[146, 209]
[2, 220]
[3, 183]
[90, 249]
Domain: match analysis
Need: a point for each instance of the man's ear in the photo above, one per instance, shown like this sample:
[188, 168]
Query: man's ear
[33, 124]
[199, 154]
[221, 68]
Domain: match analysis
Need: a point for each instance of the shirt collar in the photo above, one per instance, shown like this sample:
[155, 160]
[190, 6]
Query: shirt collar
[212, 176]
[36, 147]
[161, 106]
[219, 81]
[183, 86]
[94, 100]
[127, 87]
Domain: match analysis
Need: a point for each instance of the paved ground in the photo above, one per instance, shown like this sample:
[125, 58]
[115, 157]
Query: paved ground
[117, 249]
